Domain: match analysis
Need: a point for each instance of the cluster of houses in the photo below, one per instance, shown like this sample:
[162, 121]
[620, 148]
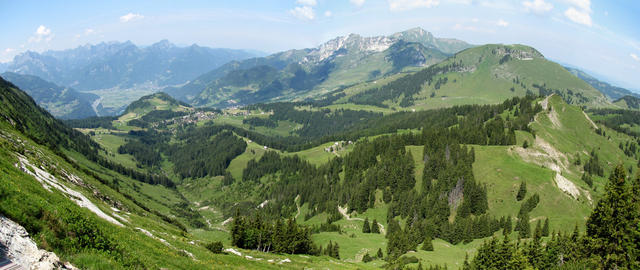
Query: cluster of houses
[198, 116]
[337, 146]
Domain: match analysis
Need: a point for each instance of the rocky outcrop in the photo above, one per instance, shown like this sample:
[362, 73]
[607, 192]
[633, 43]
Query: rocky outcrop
[22, 251]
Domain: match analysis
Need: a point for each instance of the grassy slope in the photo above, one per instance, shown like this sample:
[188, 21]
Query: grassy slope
[25, 192]
[490, 82]
[498, 166]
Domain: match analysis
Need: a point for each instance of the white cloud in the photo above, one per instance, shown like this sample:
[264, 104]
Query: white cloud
[634, 57]
[578, 16]
[585, 5]
[357, 3]
[399, 5]
[9, 50]
[307, 2]
[43, 31]
[130, 17]
[42, 34]
[475, 20]
[303, 13]
[537, 6]
[328, 13]
[463, 2]
[579, 11]
[502, 23]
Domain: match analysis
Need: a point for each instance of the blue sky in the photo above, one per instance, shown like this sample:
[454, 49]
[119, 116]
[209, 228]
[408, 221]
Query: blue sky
[601, 37]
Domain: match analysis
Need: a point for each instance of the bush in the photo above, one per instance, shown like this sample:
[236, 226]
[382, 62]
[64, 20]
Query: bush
[215, 247]
[367, 258]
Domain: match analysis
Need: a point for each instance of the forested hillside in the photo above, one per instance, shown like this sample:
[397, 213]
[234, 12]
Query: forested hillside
[61, 102]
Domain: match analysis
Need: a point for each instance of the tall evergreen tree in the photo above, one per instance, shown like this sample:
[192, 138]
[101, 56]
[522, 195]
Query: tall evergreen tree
[545, 228]
[375, 228]
[524, 229]
[613, 224]
[329, 250]
[522, 191]
[365, 227]
[537, 233]
[336, 251]
[427, 245]
[508, 226]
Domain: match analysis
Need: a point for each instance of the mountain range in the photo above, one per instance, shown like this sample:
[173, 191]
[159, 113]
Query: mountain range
[395, 152]
[123, 64]
[292, 74]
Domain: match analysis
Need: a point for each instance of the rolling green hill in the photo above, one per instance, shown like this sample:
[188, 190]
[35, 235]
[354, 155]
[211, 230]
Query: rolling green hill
[485, 74]
[628, 102]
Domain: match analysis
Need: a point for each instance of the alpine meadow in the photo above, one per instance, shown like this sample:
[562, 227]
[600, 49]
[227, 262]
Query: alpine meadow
[316, 134]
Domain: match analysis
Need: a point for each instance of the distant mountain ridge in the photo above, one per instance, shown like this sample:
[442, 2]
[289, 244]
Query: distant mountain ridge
[61, 102]
[613, 92]
[339, 62]
[123, 64]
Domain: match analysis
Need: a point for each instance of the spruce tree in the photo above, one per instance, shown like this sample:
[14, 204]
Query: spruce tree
[336, 251]
[365, 227]
[538, 231]
[380, 255]
[613, 224]
[329, 250]
[427, 245]
[524, 229]
[522, 192]
[508, 226]
[375, 228]
[545, 228]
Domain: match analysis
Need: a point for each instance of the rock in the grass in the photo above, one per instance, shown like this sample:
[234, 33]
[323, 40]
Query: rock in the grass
[23, 251]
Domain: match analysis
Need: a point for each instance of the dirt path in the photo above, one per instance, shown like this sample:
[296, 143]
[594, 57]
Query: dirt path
[297, 206]
[590, 121]
[343, 211]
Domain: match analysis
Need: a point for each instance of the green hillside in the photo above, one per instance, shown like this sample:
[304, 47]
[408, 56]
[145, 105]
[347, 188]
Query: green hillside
[122, 223]
[485, 74]
[62, 102]
[552, 165]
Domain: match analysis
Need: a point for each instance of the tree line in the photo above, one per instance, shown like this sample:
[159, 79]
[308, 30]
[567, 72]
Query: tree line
[611, 240]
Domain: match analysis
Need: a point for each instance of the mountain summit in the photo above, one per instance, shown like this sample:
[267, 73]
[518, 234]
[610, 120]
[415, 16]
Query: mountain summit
[339, 62]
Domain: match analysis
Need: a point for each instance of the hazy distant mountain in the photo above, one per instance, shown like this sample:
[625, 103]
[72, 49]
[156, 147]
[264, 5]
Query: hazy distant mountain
[419, 35]
[612, 92]
[116, 64]
[61, 102]
[339, 62]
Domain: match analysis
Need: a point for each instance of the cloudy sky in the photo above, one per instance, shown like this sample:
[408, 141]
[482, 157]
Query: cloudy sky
[600, 36]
